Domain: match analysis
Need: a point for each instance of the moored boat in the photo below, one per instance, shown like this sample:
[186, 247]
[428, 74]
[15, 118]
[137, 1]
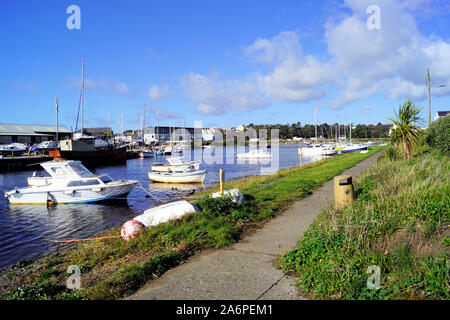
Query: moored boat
[180, 176]
[175, 163]
[146, 153]
[352, 148]
[255, 154]
[70, 182]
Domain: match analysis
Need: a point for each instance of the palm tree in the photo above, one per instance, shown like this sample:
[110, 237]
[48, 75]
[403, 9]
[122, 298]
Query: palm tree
[406, 132]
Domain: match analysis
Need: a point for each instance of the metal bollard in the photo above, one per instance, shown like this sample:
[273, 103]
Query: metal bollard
[343, 191]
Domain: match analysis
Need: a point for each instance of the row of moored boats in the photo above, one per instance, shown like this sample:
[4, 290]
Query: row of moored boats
[69, 181]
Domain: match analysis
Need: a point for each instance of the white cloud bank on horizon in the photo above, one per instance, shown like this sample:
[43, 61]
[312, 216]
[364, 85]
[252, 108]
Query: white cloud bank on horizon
[392, 61]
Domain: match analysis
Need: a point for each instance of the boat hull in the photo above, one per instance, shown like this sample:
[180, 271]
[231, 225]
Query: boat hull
[177, 178]
[38, 195]
[173, 167]
[101, 156]
[348, 150]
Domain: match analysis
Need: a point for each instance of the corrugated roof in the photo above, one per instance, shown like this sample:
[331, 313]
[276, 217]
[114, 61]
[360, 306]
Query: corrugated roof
[28, 129]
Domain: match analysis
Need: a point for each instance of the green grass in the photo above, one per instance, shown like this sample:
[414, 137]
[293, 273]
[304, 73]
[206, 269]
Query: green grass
[399, 222]
[121, 267]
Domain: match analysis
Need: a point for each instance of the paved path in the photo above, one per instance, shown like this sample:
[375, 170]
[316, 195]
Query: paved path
[246, 270]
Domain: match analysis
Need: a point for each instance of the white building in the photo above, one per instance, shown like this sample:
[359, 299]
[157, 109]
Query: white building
[441, 114]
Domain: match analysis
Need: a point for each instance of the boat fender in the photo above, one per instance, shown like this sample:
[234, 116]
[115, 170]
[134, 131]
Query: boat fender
[234, 194]
[130, 229]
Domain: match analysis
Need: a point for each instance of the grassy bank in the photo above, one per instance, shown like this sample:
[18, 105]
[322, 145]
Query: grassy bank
[399, 223]
[113, 268]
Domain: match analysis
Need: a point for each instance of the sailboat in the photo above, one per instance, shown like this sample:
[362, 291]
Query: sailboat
[83, 147]
[316, 150]
[145, 152]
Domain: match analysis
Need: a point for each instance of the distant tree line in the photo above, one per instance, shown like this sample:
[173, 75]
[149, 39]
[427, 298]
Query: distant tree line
[328, 131]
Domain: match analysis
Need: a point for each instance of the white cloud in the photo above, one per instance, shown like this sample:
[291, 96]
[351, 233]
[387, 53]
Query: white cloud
[213, 96]
[108, 87]
[391, 61]
[164, 114]
[159, 92]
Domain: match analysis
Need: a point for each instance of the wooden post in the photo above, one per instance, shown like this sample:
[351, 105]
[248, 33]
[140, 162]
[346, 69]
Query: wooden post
[221, 181]
[301, 156]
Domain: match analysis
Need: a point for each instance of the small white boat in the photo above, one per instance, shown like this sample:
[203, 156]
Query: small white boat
[70, 182]
[317, 150]
[47, 145]
[189, 175]
[255, 154]
[175, 163]
[146, 153]
[16, 147]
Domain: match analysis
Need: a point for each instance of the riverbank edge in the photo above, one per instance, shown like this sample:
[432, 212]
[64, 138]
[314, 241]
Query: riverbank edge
[169, 259]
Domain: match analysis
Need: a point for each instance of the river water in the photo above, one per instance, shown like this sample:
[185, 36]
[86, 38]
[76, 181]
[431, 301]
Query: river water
[29, 231]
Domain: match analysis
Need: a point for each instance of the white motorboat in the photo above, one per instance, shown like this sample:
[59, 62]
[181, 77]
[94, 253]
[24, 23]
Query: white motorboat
[47, 145]
[69, 182]
[167, 150]
[317, 150]
[146, 153]
[255, 154]
[16, 147]
[175, 163]
[36, 180]
[189, 175]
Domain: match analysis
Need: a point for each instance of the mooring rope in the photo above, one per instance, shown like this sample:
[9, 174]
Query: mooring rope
[148, 192]
[86, 239]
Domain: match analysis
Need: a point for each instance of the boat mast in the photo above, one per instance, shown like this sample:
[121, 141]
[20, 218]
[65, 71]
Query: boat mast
[82, 95]
[350, 132]
[157, 127]
[57, 131]
[315, 122]
[143, 131]
[184, 129]
[122, 125]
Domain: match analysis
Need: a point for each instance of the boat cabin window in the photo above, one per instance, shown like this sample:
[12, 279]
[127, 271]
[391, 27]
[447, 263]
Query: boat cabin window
[105, 179]
[80, 170]
[60, 171]
[78, 183]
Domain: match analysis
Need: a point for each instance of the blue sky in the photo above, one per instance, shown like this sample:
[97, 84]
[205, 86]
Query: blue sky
[222, 62]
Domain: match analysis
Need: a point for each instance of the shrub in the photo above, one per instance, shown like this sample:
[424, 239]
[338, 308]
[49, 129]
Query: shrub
[438, 135]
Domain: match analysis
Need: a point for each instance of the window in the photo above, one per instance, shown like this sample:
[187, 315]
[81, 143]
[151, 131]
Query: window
[79, 183]
[105, 179]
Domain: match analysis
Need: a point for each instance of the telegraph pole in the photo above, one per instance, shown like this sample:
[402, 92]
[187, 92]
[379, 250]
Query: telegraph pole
[429, 98]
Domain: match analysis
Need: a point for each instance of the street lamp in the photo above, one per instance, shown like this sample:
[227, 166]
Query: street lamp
[429, 96]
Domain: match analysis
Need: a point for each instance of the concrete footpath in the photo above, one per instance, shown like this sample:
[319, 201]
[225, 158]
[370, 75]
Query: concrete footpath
[246, 270]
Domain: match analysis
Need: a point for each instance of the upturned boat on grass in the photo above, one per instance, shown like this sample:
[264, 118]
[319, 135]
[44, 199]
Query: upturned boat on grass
[70, 182]
[190, 175]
